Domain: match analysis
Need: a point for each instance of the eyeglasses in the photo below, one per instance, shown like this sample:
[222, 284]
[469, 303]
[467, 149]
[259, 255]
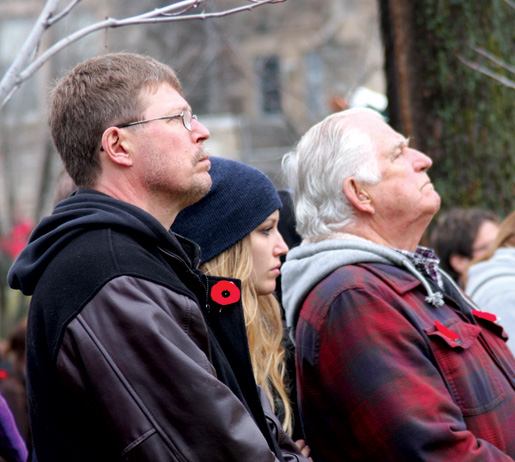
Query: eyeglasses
[187, 120]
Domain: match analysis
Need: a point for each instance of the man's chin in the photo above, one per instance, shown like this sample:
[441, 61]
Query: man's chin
[438, 200]
[437, 203]
[200, 189]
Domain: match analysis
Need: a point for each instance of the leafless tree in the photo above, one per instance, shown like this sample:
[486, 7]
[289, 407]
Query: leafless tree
[27, 61]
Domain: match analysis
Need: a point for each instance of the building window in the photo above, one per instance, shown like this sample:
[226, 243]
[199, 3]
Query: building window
[268, 71]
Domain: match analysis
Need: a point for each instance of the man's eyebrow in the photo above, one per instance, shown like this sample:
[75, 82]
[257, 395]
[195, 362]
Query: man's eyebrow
[399, 145]
[180, 109]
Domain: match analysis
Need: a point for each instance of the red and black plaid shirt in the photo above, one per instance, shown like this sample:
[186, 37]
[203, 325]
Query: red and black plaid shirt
[426, 261]
[385, 376]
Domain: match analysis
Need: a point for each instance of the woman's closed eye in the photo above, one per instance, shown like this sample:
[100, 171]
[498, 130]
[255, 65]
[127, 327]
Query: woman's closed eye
[266, 231]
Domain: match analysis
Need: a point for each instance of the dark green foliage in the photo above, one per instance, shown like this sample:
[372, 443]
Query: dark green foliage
[471, 132]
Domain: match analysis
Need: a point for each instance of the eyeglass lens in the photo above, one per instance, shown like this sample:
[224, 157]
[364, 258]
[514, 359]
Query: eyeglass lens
[187, 119]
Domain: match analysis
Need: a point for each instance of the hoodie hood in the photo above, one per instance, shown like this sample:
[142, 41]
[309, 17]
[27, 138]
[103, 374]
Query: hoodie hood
[485, 278]
[85, 210]
[308, 264]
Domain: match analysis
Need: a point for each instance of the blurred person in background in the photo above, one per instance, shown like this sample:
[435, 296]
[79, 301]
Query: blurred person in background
[490, 280]
[14, 387]
[460, 235]
[12, 446]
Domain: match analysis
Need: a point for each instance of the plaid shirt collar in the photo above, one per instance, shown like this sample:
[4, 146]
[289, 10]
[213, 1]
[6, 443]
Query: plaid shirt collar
[426, 261]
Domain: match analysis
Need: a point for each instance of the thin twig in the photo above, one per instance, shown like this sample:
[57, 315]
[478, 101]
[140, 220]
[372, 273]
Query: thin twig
[115, 23]
[8, 82]
[51, 21]
[184, 5]
[21, 70]
[493, 58]
[477, 67]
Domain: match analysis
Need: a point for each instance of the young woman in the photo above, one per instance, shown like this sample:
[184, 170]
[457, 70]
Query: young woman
[235, 225]
[491, 278]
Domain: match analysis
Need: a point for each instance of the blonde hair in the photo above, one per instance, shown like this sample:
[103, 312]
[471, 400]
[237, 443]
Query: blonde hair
[262, 321]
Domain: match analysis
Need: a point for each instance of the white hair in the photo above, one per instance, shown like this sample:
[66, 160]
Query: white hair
[327, 154]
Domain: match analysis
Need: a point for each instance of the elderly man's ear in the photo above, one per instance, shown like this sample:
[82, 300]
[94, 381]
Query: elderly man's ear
[358, 195]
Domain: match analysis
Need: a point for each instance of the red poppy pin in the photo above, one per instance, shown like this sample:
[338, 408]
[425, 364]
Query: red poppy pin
[3, 374]
[447, 332]
[225, 292]
[484, 315]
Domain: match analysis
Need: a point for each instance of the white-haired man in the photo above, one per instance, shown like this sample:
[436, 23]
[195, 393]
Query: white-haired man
[394, 364]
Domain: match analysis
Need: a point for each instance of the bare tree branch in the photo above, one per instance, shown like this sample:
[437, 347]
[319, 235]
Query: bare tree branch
[62, 14]
[22, 69]
[484, 70]
[8, 85]
[494, 59]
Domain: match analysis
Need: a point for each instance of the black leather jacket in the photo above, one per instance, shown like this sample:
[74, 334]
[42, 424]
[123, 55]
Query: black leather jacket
[129, 357]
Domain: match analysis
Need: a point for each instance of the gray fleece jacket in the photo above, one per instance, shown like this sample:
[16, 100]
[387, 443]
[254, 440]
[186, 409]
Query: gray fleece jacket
[491, 284]
[308, 264]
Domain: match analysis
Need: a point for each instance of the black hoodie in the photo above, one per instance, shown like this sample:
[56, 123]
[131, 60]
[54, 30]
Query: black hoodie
[122, 332]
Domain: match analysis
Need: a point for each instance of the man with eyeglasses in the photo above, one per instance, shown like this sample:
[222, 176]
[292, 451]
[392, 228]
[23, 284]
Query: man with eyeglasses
[123, 354]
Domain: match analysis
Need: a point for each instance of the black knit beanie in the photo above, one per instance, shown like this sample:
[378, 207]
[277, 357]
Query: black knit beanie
[240, 199]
